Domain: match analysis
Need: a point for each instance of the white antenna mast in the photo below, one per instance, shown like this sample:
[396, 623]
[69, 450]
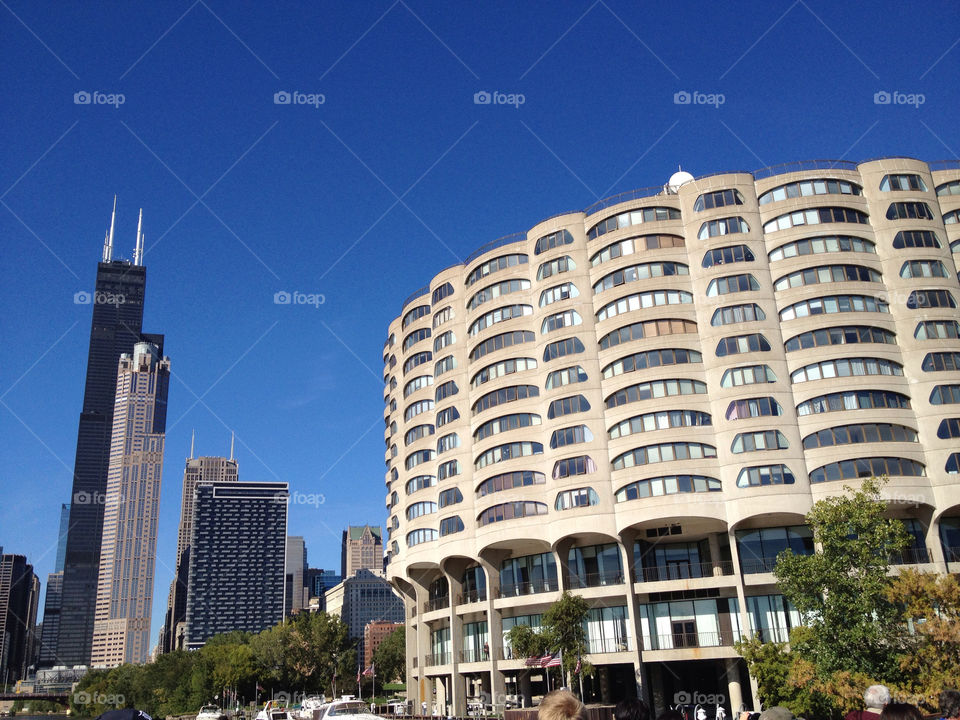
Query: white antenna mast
[193, 436]
[138, 252]
[231, 445]
[108, 240]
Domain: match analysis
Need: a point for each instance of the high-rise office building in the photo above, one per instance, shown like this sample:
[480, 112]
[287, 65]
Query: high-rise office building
[237, 552]
[121, 633]
[640, 402]
[198, 470]
[19, 596]
[318, 582]
[374, 633]
[117, 304]
[296, 594]
[47, 655]
[362, 548]
[363, 597]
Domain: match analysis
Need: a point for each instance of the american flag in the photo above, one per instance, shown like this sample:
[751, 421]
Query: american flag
[578, 668]
[550, 660]
[368, 671]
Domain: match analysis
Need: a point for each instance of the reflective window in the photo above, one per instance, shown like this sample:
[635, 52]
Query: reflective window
[717, 199]
[854, 400]
[941, 361]
[566, 376]
[508, 481]
[501, 314]
[815, 216]
[644, 300]
[937, 330]
[727, 255]
[737, 314]
[655, 389]
[842, 335]
[445, 290]
[415, 337]
[902, 182]
[949, 428]
[809, 188]
[668, 485]
[420, 482]
[834, 304]
[753, 407]
[952, 466]
[445, 390]
[909, 211]
[567, 406]
[662, 420]
[930, 299]
[505, 423]
[945, 395]
[509, 511]
[647, 328]
[846, 367]
[451, 525]
[501, 369]
[739, 344]
[564, 291]
[765, 475]
[498, 342]
[822, 245]
[420, 508]
[859, 433]
[664, 452]
[509, 451]
[951, 218]
[441, 341]
[415, 537]
[747, 375]
[915, 239]
[421, 406]
[418, 457]
[414, 315]
[418, 359]
[651, 359]
[632, 245]
[553, 240]
[556, 266]
[452, 496]
[759, 440]
[505, 395]
[500, 289]
[568, 467]
[827, 274]
[579, 497]
[444, 365]
[442, 316]
[867, 467]
[632, 217]
[449, 469]
[949, 188]
[562, 348]
[495, 265]
[570, 436]
[447, 442]
[557, 321]
[723, 226]
[416, 433]
[760, 547]
[417, 383]
[447, 415]
[732, 284]
[635, 273]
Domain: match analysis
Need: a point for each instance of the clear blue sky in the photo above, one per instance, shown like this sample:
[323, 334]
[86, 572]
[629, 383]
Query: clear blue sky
[365, 197]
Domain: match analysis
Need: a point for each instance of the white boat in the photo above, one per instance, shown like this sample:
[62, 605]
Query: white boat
[273, 712]
[356, 709]
[310, 707]
[211, 712]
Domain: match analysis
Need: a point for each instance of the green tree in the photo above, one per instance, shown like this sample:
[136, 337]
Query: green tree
[564, 626]
[841, 590]
[390, 657]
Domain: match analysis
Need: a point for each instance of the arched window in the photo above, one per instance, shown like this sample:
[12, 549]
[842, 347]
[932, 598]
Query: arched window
[563, 291]
[419, 359]
[945, 395]
[739, 344]
[553, 240]
[747, 375]
[663, 452]
[809, 188]
[753, 407]
[635, 273]
[451, 525]
[510, 511]
[570, 436]
[448, 469]
[667, 485]
[651, 359]
[441, 292]
[846, 367]
[445, 390]
[821, 245]
[413, 315]
[505, 423]
[903, 182]
[727, 255]
[509, 451]
[723, 226]
[765, 475]
[632, 217]
[505, 395]
[937, 330]
[655, 389]
[423, 535]
[909, 211]
[841, 335]
[717, 199]
[568, 467]
[420, 482]
[737, 314]
[442, 316]
[566, 376]
[920, 299]
[639, 301]
[815, 216]
[854, 400]
[567, 406]
[509, 481]
[442, 340]
[417, 383]
[491, 292]
[758, 440]
[579, 497]
[834, 304]
[562, 264]
[415, 337]
[447, 442]
[915, 239]
[445, 364]
[647, 328]
[502, 369]
[632, 245]
[732, 284]
[941, 362]
[827, 274]
[867, 467]
[419, 509]
[859, 433]
[495, 265]
[661, 420]
[498, 342]
[501, 314]
[558, 321]
[414, 409]
[416, 433]
[562, 348]
[447, 415]
[417, 458]
[450, 496]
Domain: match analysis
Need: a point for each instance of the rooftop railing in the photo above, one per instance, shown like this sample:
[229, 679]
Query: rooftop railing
[494, 244]
[803, 166]
[425, 290]
[637, 194]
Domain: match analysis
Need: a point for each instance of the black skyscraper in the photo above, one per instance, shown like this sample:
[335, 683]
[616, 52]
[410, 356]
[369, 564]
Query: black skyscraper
[117, 303]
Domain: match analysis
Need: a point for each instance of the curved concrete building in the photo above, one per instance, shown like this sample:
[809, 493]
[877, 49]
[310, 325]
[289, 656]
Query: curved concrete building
[639, 403]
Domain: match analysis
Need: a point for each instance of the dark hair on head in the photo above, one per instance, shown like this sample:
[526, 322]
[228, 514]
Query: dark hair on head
[670, 715]
[901, 711]
[631, 709]
[950, 704]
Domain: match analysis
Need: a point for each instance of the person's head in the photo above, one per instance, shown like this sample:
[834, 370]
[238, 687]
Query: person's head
[777, 712]
[560, 705]
[632, 709]
[901, 711]
[950, 704]
[876, 697]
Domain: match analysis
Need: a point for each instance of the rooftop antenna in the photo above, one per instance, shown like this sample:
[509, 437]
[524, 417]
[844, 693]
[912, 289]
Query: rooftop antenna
[231, 444]
[138, 252]
[193, 436]
[108, 240]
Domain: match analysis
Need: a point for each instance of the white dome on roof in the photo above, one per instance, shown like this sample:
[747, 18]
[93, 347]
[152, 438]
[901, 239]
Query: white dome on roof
[681, 177]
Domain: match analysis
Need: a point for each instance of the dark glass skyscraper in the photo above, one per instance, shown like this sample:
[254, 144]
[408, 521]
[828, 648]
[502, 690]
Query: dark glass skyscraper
[117, 303]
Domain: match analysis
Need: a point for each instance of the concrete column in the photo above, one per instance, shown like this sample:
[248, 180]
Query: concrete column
[937, 556]
[742, 602]
[526, 689]
[734, 691]
[633, 616]
[714, 544]
[606, 694]
[658, 701]
[458, 689]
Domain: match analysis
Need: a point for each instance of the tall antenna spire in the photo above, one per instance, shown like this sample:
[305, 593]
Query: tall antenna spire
[231, 444]
[138, 251]
[193, 436]
[108, 240]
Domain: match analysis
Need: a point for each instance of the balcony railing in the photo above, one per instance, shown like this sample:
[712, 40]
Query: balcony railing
[437, 603]
[660, 573]
[437, 659]
[683, 640]
[952, 553]
[528, 588]
[773, 634]
[472, 596]
[757, 565]
[910, 556]
[481, 654]
[609, 645]
[590, 580]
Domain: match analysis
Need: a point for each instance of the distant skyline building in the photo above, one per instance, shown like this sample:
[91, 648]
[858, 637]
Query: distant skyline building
[117, 305]
[296, 596]
[374, 633]
[198, 470]
[362, 598]
[47, 654]
[362, 548]
[19, 596]
[237, 555]
[121, 632]
[318, 582]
